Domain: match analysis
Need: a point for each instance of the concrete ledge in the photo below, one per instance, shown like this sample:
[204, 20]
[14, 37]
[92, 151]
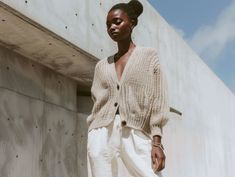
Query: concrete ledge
[25, 36]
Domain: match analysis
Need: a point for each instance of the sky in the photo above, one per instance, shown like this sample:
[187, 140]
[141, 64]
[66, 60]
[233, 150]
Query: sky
[208, 26]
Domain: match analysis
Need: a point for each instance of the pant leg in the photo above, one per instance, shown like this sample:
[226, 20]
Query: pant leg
[136, 153]
[103, 150]
[99, 161]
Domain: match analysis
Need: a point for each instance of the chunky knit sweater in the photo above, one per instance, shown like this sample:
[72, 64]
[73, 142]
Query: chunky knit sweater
[140, 95]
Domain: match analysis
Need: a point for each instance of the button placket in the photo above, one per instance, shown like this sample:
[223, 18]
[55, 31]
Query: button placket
[118, 87]
[123, 122]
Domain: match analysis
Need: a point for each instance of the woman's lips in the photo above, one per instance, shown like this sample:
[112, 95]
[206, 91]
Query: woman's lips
[114, 33]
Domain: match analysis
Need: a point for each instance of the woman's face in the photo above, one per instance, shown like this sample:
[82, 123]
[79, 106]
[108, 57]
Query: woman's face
[119, 26]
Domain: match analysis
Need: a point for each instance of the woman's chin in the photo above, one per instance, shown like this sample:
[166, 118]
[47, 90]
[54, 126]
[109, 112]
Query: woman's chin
[115, 38]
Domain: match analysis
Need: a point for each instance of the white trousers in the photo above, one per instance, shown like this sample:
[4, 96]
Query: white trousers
[117, 151]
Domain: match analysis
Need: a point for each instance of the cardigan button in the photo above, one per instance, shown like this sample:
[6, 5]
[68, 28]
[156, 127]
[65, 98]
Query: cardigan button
[123, 123]
[118, 87]
[115, 104]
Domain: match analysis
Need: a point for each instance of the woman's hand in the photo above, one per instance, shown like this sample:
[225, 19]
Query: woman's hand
[158, 156]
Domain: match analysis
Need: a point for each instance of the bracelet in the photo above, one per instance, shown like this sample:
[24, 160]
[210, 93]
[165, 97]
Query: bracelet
[158, 145]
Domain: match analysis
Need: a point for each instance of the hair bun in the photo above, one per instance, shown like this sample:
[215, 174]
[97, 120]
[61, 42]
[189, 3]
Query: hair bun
[136, 6]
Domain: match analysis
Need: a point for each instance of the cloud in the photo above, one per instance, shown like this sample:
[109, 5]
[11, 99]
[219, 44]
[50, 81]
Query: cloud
[211, 40]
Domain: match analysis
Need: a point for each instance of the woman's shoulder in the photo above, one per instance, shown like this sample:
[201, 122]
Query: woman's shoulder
[147, 50]
[102, 62]
[148, 53]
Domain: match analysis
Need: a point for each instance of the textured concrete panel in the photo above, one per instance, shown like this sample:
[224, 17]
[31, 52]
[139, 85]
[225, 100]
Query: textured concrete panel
[25, 36]
[36, 136]
[60, 90]
[59, 147]
[20, 135]
[38, 120]
[38, 82]
[81, 145]
[13, 75]
[66, 18]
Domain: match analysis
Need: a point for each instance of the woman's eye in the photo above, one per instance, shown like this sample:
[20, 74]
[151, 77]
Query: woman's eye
[115, 22]
[118, 22]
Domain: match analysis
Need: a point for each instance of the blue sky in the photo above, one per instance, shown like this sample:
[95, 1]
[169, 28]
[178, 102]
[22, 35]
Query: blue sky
[208, 26]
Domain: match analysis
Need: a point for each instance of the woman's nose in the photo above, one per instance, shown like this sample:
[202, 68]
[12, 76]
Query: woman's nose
[112, 28]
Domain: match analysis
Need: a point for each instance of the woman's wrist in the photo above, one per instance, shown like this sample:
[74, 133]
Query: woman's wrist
[157, 139]
[158, 145]
[157, 142]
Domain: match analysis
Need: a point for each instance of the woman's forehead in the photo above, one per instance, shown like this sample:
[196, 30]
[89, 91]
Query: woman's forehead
[116, 13]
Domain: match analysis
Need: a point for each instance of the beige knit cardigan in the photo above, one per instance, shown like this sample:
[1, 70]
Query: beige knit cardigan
[141, 93]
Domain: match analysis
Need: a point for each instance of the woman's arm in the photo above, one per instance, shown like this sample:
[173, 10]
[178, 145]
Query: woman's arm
[95, 84]
[160, 107]
[159, 113]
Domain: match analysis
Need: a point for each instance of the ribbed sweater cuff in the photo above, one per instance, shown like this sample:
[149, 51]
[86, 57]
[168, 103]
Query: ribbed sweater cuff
[156, 131]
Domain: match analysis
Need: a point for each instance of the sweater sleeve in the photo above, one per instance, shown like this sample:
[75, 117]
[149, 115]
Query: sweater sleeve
[94, 86]
[160, 106]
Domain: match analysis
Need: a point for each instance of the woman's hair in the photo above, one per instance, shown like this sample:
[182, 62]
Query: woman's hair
[133, 9]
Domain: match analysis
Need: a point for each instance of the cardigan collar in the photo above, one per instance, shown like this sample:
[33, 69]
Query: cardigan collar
[128, 63]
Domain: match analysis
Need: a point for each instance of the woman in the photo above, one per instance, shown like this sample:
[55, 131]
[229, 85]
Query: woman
[130, 103]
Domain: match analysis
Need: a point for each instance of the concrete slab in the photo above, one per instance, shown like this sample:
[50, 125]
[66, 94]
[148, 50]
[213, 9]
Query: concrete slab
[20, 135]
[60, 90]
[14, 77]
[27, 37]
[81, 145]
[59, 150]
[36, 123]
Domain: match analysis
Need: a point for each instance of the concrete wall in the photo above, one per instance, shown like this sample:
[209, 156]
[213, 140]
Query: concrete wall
[200, 143]
[38, 120]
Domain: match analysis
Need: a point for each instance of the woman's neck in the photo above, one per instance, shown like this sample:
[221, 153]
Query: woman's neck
[124, 46]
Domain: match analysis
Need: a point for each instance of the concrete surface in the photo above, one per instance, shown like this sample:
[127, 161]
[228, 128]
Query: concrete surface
[38, 120]
[25, 36]
[200, 143]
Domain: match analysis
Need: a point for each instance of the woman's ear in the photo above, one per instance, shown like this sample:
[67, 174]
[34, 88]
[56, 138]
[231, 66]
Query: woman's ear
[132, 24]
